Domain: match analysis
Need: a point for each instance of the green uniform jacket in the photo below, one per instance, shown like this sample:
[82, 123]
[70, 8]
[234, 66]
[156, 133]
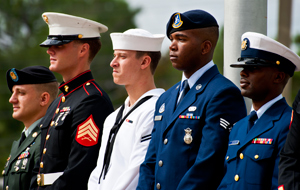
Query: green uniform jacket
[18, 168]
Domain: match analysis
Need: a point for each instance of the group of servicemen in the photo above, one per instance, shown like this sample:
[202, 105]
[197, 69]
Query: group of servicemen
[196, 135]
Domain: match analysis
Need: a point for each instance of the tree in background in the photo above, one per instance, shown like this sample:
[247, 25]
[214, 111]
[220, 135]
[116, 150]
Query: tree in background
[22, 29]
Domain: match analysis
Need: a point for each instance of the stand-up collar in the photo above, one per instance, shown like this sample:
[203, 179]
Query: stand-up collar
[76, 82]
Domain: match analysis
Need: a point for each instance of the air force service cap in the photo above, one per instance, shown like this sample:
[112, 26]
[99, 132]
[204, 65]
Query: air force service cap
[260, 50]
[29, 75]
[65, 28]
[190, 20]
[137, 40]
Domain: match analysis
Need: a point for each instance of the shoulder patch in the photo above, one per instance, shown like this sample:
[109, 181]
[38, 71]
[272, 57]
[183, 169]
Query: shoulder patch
[88, 132]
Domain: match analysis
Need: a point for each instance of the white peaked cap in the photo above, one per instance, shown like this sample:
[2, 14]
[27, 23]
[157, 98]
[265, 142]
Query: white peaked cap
[63, 24]
[137, 40]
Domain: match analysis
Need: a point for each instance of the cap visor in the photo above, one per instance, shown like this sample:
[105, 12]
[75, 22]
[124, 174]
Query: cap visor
[53, 42]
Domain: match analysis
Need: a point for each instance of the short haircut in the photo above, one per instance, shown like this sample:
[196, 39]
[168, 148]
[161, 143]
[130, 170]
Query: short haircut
[51, 88]
[155, 57]
[95, 46]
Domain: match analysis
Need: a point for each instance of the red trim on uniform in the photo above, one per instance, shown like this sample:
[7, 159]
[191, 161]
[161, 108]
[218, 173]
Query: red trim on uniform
[97, 88]
[85, 90]
[292, 117]
[281, 187]
[87, 132]
[79, 87]
[74, 78]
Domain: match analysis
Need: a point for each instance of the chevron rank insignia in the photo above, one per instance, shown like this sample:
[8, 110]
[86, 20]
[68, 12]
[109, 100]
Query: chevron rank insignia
[225, 124]
[87, 132]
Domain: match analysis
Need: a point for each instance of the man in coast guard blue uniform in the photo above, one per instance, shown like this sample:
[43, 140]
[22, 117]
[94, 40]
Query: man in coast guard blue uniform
[252, 157]
[190, 135]
[72, 127]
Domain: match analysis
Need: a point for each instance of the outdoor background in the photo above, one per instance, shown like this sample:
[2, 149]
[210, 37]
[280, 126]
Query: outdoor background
[22, 29]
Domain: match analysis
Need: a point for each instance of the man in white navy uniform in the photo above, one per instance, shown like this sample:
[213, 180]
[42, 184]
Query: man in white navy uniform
[190, 134]
[72, 127]
[136, 55]
[255, 141]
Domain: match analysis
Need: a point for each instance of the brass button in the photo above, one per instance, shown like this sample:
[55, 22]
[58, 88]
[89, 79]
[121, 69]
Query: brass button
[41, 125]
[41, 165]
[3, 172]
[236, 177]
[241, 156]
[160, 163]
[227, 157]
[158, 186]
[88, 84]
[34, 134]
[165, 141]
[52, 123]
[256, 156]
[6, 188]
[63, 99]
[44, 151]
[57, 110]
[47, 137]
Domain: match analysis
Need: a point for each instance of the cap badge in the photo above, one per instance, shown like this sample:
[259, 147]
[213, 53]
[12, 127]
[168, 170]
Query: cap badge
[177, 21]
[244, 44]
[14, 75]
[45, 18]
[162, 108]
[188, 136]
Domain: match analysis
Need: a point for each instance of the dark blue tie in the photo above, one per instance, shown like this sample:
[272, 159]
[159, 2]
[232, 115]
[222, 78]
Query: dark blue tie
[252, 118]
[23, 137]
[185, 88]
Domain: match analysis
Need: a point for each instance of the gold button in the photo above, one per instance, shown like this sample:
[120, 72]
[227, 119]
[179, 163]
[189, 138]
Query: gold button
[34, 134]
[57, 110]
[236, 177]
[47, 137]
[227, 157]
[241, 156]
[52, 123]
[160, 163]
[63, 99]
[165, 141]
[41, 165]
[256, 156]
[41, 125]
[66, 88]
[6, 188]
[88, 84]
[44, 151]
[3, 172]
[158, 185]
[56, 124]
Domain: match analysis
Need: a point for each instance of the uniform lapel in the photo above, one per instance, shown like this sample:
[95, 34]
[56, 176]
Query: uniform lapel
[192, 94]
[265, 122]
[18, 150]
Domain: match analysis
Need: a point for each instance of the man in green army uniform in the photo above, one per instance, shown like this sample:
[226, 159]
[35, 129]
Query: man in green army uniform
[33, 89]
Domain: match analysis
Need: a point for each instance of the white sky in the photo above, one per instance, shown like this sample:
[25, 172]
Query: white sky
[156, 13]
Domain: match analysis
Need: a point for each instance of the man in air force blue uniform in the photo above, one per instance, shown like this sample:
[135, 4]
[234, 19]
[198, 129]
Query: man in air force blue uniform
[252, 157]
[189, 139]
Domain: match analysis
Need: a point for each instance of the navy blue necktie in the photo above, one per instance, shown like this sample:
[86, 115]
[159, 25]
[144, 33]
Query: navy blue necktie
[23, 137]
[184, 90]
[252, 118]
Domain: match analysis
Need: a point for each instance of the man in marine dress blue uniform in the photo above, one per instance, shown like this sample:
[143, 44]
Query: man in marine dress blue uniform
[72, 127]
[252, 157]
[189, 138]
[33, 89]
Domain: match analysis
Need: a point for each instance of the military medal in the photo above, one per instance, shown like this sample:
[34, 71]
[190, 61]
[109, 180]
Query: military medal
[24, 163]
[188, 136]
[24, 154]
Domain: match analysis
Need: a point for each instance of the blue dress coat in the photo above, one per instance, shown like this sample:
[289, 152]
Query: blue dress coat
[174, 160]
[252, 158]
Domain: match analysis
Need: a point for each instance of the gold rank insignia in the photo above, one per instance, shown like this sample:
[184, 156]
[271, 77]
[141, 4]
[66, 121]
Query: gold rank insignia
[66, 88]
[244, 44]
[188, 136]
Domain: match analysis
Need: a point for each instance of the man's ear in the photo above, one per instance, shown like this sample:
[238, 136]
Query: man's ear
[84, 49]
[279, 77]
[146, 62]
[44, 99]
[206, 47]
